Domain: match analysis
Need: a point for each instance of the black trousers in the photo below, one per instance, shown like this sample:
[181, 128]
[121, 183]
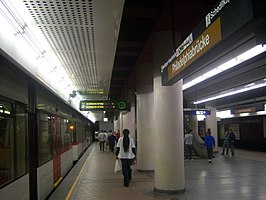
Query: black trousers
[209, 151]
[126, 171]
[102, 145]
[189, 148]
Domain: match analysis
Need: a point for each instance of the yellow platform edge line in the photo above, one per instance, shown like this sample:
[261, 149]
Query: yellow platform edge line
[75, 182]
[57, 182]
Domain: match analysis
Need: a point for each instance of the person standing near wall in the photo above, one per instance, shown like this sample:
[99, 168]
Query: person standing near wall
[188, 139]
[232, 139]
[226, 143]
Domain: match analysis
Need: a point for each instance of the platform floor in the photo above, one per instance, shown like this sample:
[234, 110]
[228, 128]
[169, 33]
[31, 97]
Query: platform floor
[241, 177]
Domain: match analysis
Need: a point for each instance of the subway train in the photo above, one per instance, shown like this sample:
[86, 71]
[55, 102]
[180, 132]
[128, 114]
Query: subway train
[41, 136]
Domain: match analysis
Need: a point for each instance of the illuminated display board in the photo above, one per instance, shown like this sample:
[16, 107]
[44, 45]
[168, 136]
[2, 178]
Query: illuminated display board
[197, 111]
[200, 112]
[96, 105]
[90, 105]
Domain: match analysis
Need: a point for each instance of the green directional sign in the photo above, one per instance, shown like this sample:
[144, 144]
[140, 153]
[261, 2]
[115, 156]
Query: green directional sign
[121, 105]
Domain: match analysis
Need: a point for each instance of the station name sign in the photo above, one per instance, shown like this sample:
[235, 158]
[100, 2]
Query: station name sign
[248, 109]
[197, 111]
[92, 105]
[215, 11]
[207, 34]
[209, 38]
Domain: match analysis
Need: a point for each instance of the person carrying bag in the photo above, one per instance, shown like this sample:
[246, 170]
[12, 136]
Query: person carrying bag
[126, 152]
[118, 166]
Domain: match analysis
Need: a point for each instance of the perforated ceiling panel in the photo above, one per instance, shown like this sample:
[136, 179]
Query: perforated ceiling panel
[69, 27]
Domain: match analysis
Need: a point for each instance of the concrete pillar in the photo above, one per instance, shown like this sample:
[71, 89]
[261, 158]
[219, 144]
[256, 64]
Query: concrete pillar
[211, 122]
[145, 118]
[116, 125]
[168, 123]
[121, 122]
[129, 121]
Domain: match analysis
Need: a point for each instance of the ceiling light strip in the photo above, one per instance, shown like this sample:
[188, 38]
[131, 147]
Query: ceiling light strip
[227, 65]
[238, 90]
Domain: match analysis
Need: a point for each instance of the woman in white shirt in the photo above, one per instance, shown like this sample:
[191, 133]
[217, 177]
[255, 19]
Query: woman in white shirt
[126, 152]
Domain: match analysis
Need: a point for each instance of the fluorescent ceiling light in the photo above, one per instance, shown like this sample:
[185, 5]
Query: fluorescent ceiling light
[224, 114]
[200, 117]
[20, 26]
[26, 37]
[261, 113]
[233, 91]
[227, 113]
[244, 114]
[227, 65]
[12, 19]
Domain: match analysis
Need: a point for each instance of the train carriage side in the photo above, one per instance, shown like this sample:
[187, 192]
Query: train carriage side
[55, 141]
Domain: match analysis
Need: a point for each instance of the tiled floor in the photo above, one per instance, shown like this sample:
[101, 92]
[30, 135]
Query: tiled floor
[241, 177]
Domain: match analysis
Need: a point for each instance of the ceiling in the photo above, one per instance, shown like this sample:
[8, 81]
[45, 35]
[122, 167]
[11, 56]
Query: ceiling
[100, 42]
[83, 36]
[140, 20]
[143, 18]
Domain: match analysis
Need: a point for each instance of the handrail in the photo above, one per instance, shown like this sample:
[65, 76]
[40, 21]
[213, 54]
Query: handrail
[198, 145]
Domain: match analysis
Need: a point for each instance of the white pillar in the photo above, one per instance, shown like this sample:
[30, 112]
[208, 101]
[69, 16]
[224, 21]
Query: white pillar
[121, 122]
[145, 118]
[168, 116]
[116, 125]
[129, 121]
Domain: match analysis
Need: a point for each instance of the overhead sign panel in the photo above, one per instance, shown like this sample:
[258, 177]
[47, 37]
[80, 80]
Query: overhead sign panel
[201, 45]
[92, 105]
[248, 109]
[96, 105]
[226, 19]
[197, 111]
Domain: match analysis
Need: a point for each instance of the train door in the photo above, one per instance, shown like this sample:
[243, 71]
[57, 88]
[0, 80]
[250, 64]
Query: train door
[56, 148]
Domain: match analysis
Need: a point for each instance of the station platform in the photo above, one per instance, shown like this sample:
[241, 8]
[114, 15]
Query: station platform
[239, 177]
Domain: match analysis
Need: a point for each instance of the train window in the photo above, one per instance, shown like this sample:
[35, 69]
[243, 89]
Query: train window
[13, 144]
[73, 127]
[6, 149]
[56, 135]
[66, 134]
[71, 130]
[45, 138]
[6, 108]
[80, 132]
[21, 144]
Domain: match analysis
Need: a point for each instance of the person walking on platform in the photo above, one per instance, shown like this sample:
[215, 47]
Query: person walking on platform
[188, 144]
[102, 140]
[226, 143]
[126, 152]
[111, 141]
[232, 139]
[209, 144]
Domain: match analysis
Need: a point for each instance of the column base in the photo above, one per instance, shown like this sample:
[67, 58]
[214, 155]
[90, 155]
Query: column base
[158, 191]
